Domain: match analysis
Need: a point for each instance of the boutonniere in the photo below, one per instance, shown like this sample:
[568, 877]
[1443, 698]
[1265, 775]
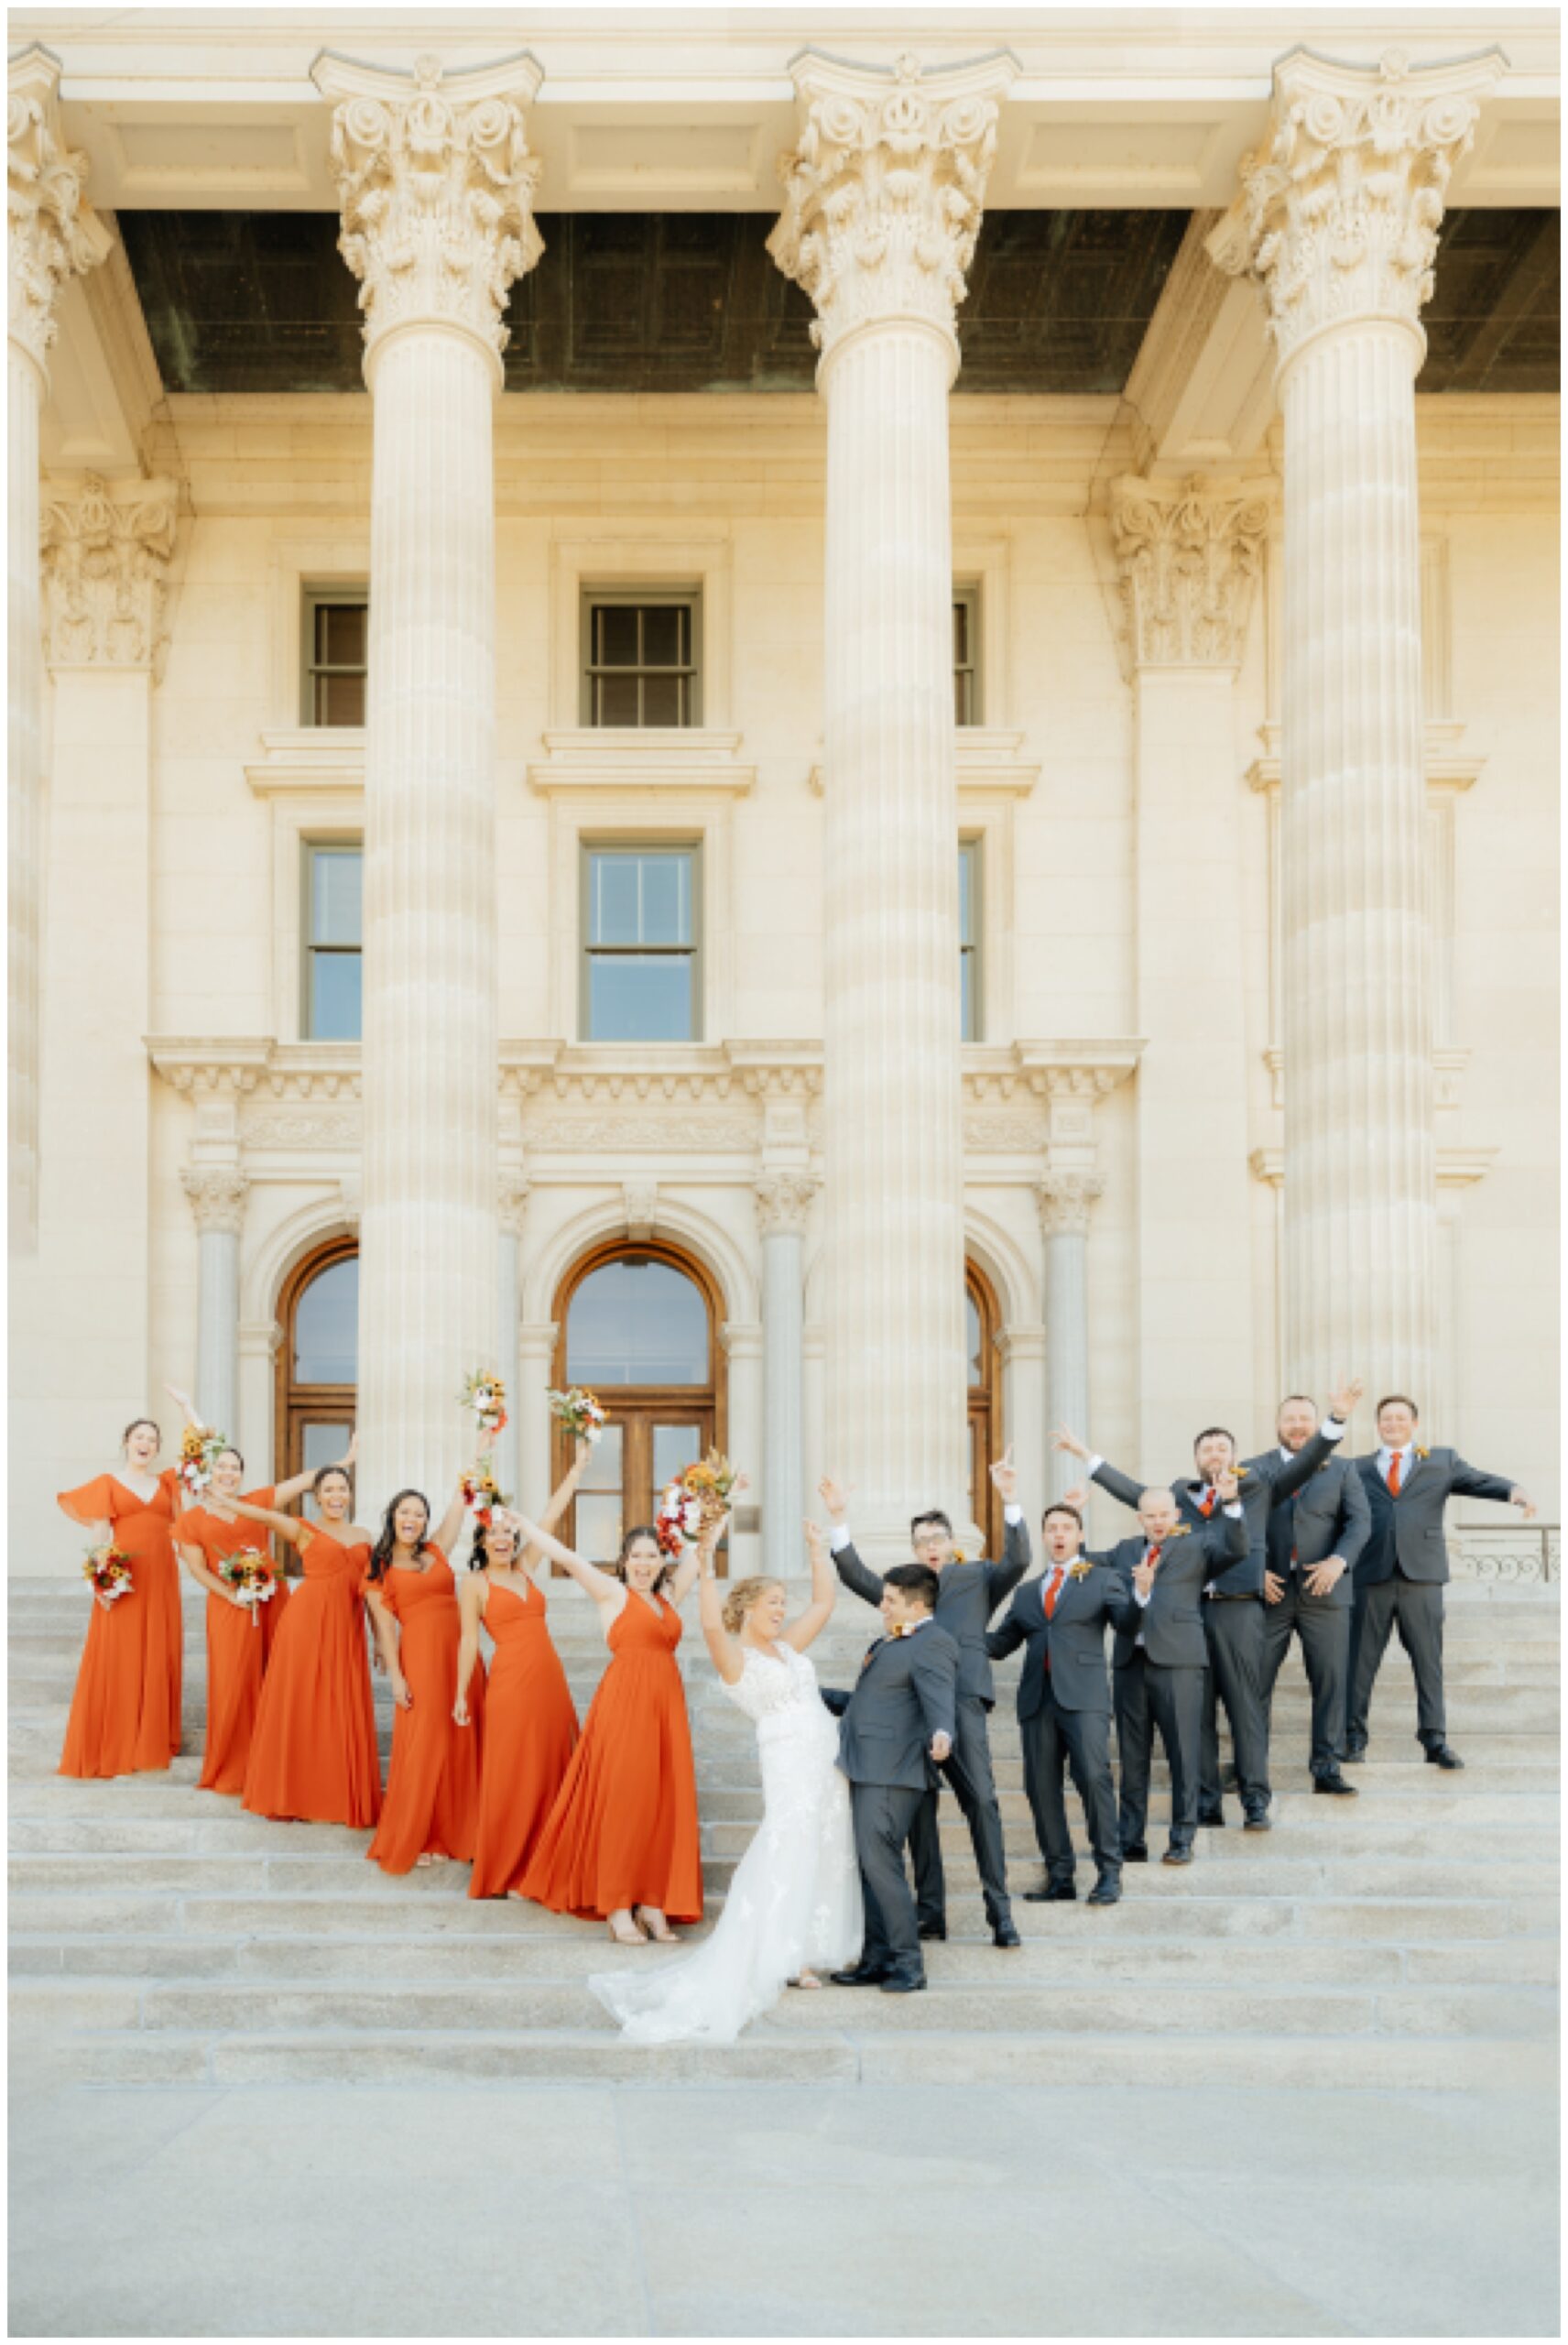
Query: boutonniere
[1178, 1530]
[1079, 1570]
[1242, 1472]
[1421, 1451]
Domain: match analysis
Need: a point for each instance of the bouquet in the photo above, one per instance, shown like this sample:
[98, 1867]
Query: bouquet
[253, 1578]
[487, 1396]
[197, 1453]
[107, 1571]
[482, 1494]
[582, 1412]
[694, 1498]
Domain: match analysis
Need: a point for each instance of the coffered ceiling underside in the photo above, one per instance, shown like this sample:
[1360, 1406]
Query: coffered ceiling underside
[1059, 302]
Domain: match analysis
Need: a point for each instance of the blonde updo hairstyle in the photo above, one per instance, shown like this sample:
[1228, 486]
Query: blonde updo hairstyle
[740, 1599]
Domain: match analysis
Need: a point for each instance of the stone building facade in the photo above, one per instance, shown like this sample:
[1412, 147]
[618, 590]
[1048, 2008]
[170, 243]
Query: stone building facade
[864, 915]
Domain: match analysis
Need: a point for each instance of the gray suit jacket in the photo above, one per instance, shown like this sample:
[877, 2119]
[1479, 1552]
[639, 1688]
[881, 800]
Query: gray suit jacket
[1171, 1623]
[1328, 1516]
[1074, 1639]
[1407, 1530]
[970, 1594]
[1263, 1482]
[905, 1695]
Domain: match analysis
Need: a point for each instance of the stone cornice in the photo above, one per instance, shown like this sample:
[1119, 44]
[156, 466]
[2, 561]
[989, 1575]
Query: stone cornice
[989, 759]
[311, 759]
[675, 759]
[105, 552]
[1190, 555]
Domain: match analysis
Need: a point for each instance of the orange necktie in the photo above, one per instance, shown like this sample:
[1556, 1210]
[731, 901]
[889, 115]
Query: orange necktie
[1058, 1575]
[1394, 1464]
[1208, 1506]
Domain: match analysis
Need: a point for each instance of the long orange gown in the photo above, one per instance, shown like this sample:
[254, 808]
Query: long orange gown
[239, 1645]
[623, 1830]
[530, 1731]
[432, 1783]
[313, 1754]
[125, 1713]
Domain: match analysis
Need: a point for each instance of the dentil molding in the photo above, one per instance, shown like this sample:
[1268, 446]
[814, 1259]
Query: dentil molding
[54, 231]
[884, 193]
[105, 553]
[437, 188]
[1337, 216]
[1190, 555]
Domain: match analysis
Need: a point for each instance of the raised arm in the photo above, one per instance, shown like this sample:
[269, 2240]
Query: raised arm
[187, 1408]
[1108, 1476]
[603, 1586]
[560, 1497]
[1004, 1577]
[1007, 1635]
[857, 1578]
[809, 1624]
[686, 1569]
[288, 1526]
[283, 1492]
[727, 1656]
[452, 1520]
[470, 1613]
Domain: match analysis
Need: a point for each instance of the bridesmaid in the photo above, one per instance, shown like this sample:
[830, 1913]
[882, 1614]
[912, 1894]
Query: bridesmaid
[621, 1839]
[530, 1723]
[239, 1645]
[313, 1754]
[432, 1783]
[125, 1713]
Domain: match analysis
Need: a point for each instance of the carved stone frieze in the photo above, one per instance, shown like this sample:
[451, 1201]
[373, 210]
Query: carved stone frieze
[1337, 216]
[437, 188]
[106, 554]
[1190, 557]
[884, 193]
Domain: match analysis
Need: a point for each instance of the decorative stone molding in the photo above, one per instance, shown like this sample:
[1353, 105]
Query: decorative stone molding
[239, 1069]
[1065, 1199]
[783, 1201]
[1190, 556]
[641, 1200]
[884, 193]
[436, 187]
[990, 763]
[512, 1190]
[315, 760]
[351, 1194]
[106, 566]
[1457, 1168]
[1337, 216]
[663, 758]
[217, 1198]
[55, 232]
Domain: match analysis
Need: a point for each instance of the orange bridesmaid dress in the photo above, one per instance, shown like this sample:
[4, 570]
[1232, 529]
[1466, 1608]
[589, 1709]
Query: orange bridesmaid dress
[239, 1645]
[530, 1731]
[432, 1783]
[313, 1754]
[623, 1830]
[125, 1713]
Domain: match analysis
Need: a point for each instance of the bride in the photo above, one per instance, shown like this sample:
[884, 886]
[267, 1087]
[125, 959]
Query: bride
[794, 1905]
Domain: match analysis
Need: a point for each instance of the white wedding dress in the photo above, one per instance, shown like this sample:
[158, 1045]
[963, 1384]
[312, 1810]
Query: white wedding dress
[794, 1902]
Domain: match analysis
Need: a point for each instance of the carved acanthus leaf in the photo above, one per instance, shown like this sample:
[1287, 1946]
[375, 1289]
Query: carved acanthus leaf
[54, 231]
[1190, 558]
[105, 556]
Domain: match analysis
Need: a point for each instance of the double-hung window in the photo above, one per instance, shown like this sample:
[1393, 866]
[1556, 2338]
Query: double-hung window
[966, 655]
[969, 934]
[334, 877]
[642, 944]
[337, 651]
[642, 651]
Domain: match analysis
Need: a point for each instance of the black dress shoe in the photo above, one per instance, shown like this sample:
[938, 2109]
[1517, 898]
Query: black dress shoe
[1212, 1819]
[1439, 1754]
[1335, 1783]
[1138, 1854]
[1259, 1820]
[898, 1983]
[864, 1974]
[1006, 1933]
[1106, 1892]
[933, 1930]
[1229, 1780]
[1058, 1893]
[1180, 1853]
[1355, 1750]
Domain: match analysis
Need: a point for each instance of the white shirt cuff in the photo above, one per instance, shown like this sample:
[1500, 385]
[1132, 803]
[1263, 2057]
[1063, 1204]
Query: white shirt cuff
[1012, 1514]
[1333, 1430]
[838, 1537]
[1140, 1599]
[1092, 1466]
[1235, 1506]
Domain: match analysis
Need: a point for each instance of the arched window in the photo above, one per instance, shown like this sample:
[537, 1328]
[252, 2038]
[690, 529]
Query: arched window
[638, 1326]
[318, 1360]
[986, 1441]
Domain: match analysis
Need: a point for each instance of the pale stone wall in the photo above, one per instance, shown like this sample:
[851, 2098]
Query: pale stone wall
[732, 490]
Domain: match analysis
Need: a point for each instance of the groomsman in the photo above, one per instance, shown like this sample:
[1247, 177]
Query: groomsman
[1314, 1538]
[1065, 1700]
[1233, 1603]
[1160, 1659]
[968, 1596]
[1399, 1577]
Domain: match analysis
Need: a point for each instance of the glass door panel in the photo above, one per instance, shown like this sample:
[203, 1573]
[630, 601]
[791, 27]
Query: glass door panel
[600, 1509]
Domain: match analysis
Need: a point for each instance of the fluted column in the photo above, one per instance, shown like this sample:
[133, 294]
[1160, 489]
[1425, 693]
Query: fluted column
[883, 203]
[1337, 221]
[783, 1200]
[54, 235]
[512, 1205]
[218, 1202]
[536, 1373]
[1064, 1202]
[436, 187]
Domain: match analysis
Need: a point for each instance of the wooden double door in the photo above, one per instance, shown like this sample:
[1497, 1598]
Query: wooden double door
[653, 1437]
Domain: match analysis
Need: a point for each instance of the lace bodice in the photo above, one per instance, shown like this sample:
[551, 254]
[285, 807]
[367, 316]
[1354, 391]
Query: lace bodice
[767, 1687]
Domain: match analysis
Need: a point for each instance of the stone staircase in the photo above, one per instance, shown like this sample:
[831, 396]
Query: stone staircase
[1408, 1938]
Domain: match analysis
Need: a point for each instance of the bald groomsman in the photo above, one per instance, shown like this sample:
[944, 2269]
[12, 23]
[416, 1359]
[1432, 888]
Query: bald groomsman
[1314, 1537]
[1401, 1575]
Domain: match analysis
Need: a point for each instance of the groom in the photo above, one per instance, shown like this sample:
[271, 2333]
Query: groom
[898, 1729]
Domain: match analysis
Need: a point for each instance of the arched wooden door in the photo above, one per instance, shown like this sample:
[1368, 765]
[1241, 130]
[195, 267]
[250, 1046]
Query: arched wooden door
[638, 1326]
[318, 1360]
[985, 1437]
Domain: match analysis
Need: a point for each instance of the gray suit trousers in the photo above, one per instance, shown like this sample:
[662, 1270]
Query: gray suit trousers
[1235, 1634]
[883, 1814]
[1324, 1632]
[1148, 1696]
[1415, 1607]
[1054, 1739]
[969, 1772]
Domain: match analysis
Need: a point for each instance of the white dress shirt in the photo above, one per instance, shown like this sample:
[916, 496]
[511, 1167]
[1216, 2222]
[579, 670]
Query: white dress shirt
[1406, 1457]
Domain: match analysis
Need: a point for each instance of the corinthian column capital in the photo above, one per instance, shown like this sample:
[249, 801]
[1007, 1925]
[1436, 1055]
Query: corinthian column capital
[437, 188]
[217, 1198]
[105, 569]
[783, 1201]
[1337, 216]
[1064, 1202]
[55, 232]
[884, 193]
[1190, 556]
